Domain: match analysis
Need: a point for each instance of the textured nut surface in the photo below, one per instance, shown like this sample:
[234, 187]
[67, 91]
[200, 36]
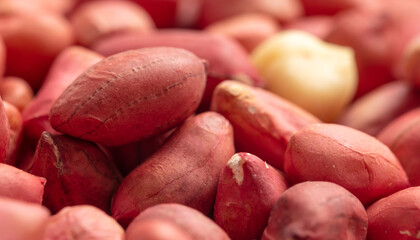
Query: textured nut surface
[130, 96]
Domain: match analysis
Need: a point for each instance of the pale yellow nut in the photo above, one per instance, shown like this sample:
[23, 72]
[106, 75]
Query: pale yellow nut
[318, 76]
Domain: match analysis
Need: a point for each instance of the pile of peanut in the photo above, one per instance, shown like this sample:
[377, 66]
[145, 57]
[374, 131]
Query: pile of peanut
[209, 119]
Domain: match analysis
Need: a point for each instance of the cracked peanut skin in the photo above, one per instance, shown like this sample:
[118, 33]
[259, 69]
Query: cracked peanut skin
[77, 172]
[396, 216]
[317, 211]
[352, 159]
[263, 122]
[247, 190]
[184, 170]
[131, 96]
[183, 222]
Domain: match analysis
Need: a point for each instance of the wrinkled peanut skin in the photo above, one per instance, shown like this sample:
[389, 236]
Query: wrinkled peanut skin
[345, 156]
[131, 96]
[184, 170]
[263, 122]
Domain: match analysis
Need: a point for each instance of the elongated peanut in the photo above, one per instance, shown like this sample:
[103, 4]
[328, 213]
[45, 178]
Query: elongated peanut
[248, 188]
[184, 170]
[263, 122]
[352, 159]
[131, 96]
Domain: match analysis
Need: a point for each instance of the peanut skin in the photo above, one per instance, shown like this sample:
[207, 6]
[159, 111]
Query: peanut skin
[249, 29]
[184, 170]
[345, 156]
[2, 57]
[128, 157]
[379, 37]
[184, 222]
[16, 91]
[216, 50]
[248, 188]
[372, 112]
[77, 172]
[68, 65]
[131, 96]
[317, 211]
[91, 20]
[20, 185]
[172, 13]
[409, 65]
[30, 51]
[155, 229]
[22, 220]
[215, 10]
[403, 138]
[4, 133]
[332, 7]
[263, 122]
[16, 130]
[82, 222]
[319, 26]
[371, 37]
[396, 216]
